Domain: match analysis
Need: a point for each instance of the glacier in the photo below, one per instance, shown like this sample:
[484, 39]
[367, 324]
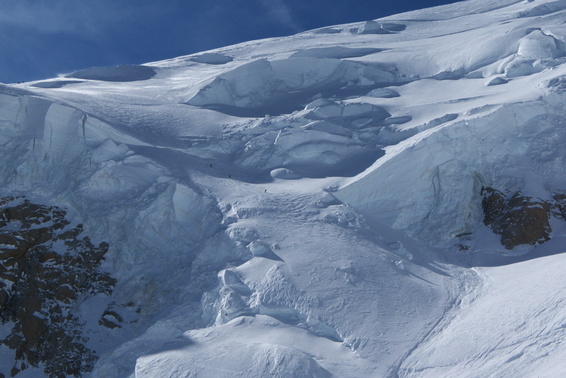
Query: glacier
[332, 203]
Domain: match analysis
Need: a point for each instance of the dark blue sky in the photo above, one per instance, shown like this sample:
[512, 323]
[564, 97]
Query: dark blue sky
[42, 38]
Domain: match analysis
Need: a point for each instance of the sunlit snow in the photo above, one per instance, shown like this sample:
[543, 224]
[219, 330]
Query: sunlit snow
[311, 205]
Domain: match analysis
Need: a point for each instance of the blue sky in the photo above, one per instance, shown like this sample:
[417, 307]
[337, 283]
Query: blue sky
[42, 38]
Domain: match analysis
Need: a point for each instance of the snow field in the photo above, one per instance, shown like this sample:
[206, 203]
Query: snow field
[513, 325]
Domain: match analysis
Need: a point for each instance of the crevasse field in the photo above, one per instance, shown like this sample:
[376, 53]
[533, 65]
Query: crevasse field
[308, 206]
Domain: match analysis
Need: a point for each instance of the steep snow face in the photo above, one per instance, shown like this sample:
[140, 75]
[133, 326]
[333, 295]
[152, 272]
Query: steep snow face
[307, 205]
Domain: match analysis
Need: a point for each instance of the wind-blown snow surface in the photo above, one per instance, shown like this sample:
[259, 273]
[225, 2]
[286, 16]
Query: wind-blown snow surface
[292, 206]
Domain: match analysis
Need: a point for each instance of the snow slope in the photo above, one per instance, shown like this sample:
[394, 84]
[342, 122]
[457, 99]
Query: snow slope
[520, 310]
[312, 205]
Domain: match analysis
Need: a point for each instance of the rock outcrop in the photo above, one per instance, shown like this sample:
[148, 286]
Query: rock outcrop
[518, 219]
[47, 269]
[559, 205]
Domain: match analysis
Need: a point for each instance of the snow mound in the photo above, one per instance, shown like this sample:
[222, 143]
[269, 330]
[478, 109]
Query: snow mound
[328, 127]
[497, 81]
[373, 27]
[309, 153]
[282, 86]
[327, 31]
[544, 9]
[292, 355]
[285, 174]
[120, 73]
[537, 45]
[338, 52]
[340, 112]
[212, 58]
[383, 93]
[55, 83]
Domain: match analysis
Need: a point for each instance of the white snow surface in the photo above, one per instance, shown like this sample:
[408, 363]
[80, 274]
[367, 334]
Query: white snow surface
[491, 329]
[291, 206]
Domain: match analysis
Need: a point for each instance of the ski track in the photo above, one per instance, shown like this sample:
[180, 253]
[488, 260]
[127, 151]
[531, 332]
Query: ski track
[468, 286]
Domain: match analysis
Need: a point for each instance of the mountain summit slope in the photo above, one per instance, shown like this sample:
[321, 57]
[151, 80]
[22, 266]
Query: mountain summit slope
[384, 198]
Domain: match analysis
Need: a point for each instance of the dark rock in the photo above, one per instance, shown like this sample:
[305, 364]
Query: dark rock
[464, 240]
[110, 319]
[518, 220]
[42, 286]
[493, 205]
[65, 294]
[108, 323]
[559, 205]
[33, 328]
[3, 298]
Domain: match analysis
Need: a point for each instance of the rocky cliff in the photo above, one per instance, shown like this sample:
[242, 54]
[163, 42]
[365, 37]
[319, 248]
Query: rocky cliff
[48, 266]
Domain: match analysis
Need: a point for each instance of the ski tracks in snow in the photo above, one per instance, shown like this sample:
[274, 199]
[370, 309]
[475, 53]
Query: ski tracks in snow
[465, 287]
